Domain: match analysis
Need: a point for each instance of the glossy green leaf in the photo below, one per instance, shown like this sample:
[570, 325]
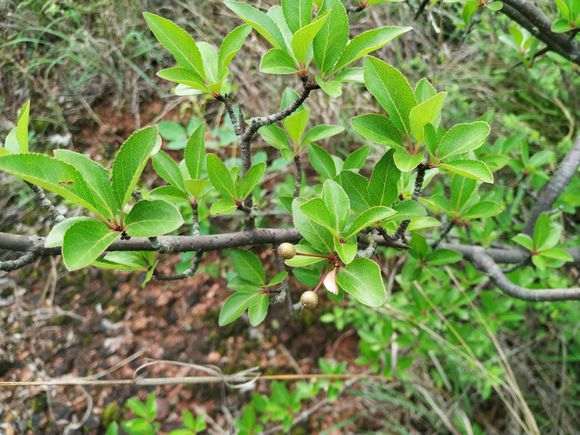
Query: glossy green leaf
[368, 218]
[303, 39]
[84, 241]
[424, 90]
[55, 237]
[17, 142]
[235, 306]
[220, 177]
[258, 309]
[177, 41]
[277, 61]
[367, 42]
[462, 190]
[316, 210]
[130, 162]
[405, 161]
[383, 185]
[248, 266]
[183, 76]
[195, 153]
[337, 202]
[332, 38]
[322, 161]
[378, 129]
[52, 175]
[168, 169]
[260, 22]
[152, 218]
[275, 136]
[96, 177]
[298, 13]
[356, 159]
[346, 250]
[462, 138]
[250, 180]
[483, 209]
[316, 235]
[392, 91]
[524, 240]
[362, 280]
[546, 233]
[474, 169]
[230, 47]
[427, 112]
[355, 186]
[321, 132]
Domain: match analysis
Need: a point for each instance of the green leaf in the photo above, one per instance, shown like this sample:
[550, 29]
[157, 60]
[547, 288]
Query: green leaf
[258, 309]
[524, 240]
[248, 266]
[168, 169]
[332, 39]
[152, 218]
[316, 235]
[220, 177]
[177, 41]
[346, 250]
[84, 241]
[277, 61]
[474, 169]
[195, 153]
[392, 91]
[52, 175]
[130, 162]
[223, 207]
[275, 136]
[322, 161]
[355, 186]
[296, 123]
[316, 210]
[303, 39]
[378, 129]
[138, 426]
[383, 185]
[362, 280]
[427, 112]
[230, 46]
[424, 90]
[462, 138]
[406, 161]
[235, 306]
[483, 209]
[298, 13]
[557, 254]
[151, 406]
[443, 256]
[304, 260]
[462, 189]
[55, 237]
[197, 188]
[20, 144]
[332, 88]
[137, 407]
[561, 25]
[337, 202]
[356, 159]
[368, 218]
[183, 76]
[260, 22]
[546, 233]
[209, 55]
[367, 42]
[96, 177]
[321, 132]
[250, 180]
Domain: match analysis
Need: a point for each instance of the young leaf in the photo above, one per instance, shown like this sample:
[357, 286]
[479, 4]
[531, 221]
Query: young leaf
[248, 266]
[251, 179]
[406, 161]
[195, 153]
[346, 249]
[474, 169]
[19, 134]
[321, 132]
[275, 136]
[168, 169]
[152, 218]
[483, 209]
[56, 235]
[52, 175]
[183, 76]
[362, 280]
[177, 41]
[383, 185]
[316, 235]
[277, 61]
[355, 186]
[546, 233]
[322, 161]
[84, 241]
[368, 42]
[356, 159]
[303, 38]
[235, 306]
[220, 176]
[424, 113]
[260, 21]
[230, 46]
[316, 210]
[337, 202]
[331, 40]
[130, 162]
[462, 190]
[378, 129]
[462, 138]
[524, 240]
[298, 13]
[96, 177]
[258, 309]
[391, 89]
[424, 90]
[368, 218]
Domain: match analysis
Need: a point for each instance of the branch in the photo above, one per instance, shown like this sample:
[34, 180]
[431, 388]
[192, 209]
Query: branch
[555, 186]
[487, 264]
[532, 19]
